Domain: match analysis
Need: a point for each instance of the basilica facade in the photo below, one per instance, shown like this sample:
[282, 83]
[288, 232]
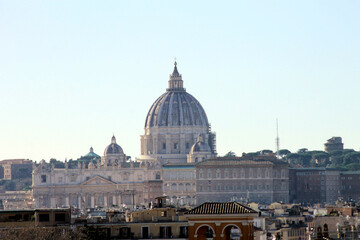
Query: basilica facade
[177, 132]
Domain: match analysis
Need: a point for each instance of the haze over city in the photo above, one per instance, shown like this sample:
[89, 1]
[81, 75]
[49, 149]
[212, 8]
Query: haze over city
[73, 74]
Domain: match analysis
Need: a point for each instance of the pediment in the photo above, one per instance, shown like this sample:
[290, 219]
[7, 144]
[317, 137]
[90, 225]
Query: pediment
[97, 180]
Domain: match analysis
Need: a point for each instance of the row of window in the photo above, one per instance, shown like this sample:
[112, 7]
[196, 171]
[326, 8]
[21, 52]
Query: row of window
[73, 178]
[176, 146]
[179, 187]
[249, 187]
[179, 175]
[239, 173]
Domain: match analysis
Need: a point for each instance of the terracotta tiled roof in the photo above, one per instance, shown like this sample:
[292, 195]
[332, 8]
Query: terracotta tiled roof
[221, 208]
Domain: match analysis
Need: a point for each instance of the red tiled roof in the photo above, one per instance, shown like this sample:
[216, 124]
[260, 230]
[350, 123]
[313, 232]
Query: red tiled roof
[221, 208]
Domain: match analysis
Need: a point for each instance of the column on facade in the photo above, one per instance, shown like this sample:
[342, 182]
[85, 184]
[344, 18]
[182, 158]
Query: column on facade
[182, 144]
[105, 200]
[168, 144]
[79, 201]
[67, 202]
[92, 201]
[52, 202]
[114, 200]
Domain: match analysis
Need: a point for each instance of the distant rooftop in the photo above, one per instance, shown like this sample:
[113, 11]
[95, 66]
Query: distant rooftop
[221, 208]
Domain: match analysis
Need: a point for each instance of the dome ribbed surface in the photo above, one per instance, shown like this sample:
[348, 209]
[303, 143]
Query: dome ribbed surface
[113, 148]
[176, 108]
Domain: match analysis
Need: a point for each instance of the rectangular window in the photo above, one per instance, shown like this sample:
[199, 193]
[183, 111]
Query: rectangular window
[165, 232]
[60, 180]
[72, 178]
[145, 232]
[44, 217]
[164, 146]
[59, 217]
[43, 178]
[184, 232]
[187, 145]
[124, 232]
[175, 145]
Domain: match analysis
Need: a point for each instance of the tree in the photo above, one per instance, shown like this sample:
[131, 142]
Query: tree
[283, 152]
[230, 154]
[351, 157]
[321, 158]
[251, 154]
[353, 166]
[57, 163]
[302, 150]
[266, 151]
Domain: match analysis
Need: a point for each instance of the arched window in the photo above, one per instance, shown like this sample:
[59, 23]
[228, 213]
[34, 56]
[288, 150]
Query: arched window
[174, 187]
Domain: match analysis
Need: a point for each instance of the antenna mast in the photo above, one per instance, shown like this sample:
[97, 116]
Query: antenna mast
[277, 140]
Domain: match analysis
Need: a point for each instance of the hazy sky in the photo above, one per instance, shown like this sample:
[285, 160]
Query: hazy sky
[72, 73]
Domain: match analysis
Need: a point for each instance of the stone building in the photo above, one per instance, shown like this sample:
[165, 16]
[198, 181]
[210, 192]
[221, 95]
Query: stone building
[350, 189]
[113, 181]
[334, 144]
[262, 179]
[16, 168]
[179, 183]
[314, 185]
[173, 124]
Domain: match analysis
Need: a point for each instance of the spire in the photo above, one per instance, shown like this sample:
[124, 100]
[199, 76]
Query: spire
[175, 72]
[113, 139]
[91, 149]
[175, 81]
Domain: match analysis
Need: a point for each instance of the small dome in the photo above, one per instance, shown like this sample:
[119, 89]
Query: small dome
[200, 146]
[91, 153]
[113, 148]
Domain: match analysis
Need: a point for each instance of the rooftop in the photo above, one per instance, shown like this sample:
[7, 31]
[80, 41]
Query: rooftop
[221, 208]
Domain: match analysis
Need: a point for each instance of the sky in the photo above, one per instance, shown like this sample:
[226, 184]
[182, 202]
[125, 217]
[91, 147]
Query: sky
[73, 73]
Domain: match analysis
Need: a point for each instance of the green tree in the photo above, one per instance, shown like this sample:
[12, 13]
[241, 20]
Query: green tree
[321, 158]
[251, 154]
[302, 150]
[351, 157]
[283, 152]
[353, 166]
[230, 154]
[266, 151]
[57, 163]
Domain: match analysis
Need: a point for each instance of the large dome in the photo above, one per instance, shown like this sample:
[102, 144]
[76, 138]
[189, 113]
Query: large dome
[176, 107]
